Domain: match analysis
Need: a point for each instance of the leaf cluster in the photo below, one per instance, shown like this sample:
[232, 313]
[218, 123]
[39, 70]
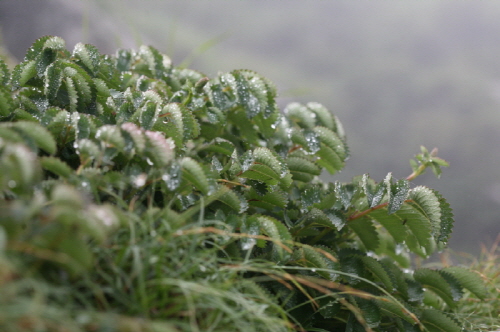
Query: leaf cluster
[138, 189]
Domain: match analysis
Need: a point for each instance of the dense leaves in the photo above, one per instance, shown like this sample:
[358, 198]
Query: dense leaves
[177, 188]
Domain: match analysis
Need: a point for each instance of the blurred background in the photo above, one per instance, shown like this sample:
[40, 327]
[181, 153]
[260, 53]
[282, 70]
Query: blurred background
[398, 74]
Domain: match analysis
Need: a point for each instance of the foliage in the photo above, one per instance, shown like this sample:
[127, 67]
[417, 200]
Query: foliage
[132, 188]
[483, 315]
[424, 72]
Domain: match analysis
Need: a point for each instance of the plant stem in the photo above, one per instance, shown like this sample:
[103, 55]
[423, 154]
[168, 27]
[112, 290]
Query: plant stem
[417, 172]
[365, 212]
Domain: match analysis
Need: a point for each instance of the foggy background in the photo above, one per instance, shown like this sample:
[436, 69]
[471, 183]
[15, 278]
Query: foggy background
[398, 74]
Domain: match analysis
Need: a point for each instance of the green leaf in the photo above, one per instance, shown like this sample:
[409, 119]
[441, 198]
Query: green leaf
[332, 140]
[22, 73]
[300, 115]
[20, 168]
[84, 126]
[158, 149]
[398, 278]
[267, 126]
[246, 97]
[323, 116]
[447, 220]
[56, 166]
[111, 135]
[344, 193]
[268, 201]
[407, 224]
[72, 94]
[173, 176]
[414, 290]
[378, 271]
[235, 201]
[332, 152]
[366, 232]
[351, 263]
[261, 173]
[153, 63]
[277, 231]
[353, 325]
[148, 115]
[435, 282]
[52, 81]
[215, 115]
[6, 102]
[469, 280]
[389, 307]
[191, 125]
[134, 137]
[174, 115]
[88, 57]
[318, 218]
[407, 327]
[307, 256]
[102, 88]
[186, 126]
[87, 150]
[336, 218]
[388, 247]
[393, 223]
[302, 169]
[4, 73]
[329, 309]
[425, 200]
[250, 226]
[193, 172]
[123, 59]
[311, 195]
[41, 43]
[437, 321]
[76, 249]
[39, 134]
[370, 311]
[244, 131]
[399, 193]
[297, 136]
[220, 146]
[455, 286]
[219, 97]
[53, 47]
[79, 86]
[265, 92]
[374, 192]
[21, 115]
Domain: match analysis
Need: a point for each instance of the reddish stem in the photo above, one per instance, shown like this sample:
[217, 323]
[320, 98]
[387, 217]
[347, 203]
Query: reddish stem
[365, 212]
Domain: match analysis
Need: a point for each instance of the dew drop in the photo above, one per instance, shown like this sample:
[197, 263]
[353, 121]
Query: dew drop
[248, 244]
[313, 142]
[106, 216]
[140, 180]
[216, 164]
[153, 259]
[243, 206]
[399, 249]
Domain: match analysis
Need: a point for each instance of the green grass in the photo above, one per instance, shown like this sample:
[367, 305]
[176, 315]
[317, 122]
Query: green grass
[484, 315]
